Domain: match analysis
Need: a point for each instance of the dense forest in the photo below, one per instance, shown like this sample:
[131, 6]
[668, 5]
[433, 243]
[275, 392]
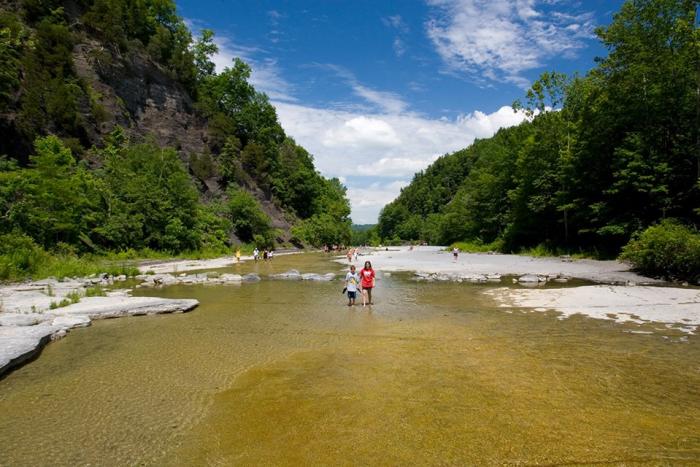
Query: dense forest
[603, 157]
[118, 135]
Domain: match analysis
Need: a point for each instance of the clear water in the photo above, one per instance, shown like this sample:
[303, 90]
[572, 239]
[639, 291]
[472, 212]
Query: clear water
[285, 373]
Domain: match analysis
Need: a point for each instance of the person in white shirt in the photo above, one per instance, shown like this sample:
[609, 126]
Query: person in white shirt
[352, 278]
[256, 253]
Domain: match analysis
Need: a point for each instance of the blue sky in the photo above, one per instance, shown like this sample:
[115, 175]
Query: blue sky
[376, 90]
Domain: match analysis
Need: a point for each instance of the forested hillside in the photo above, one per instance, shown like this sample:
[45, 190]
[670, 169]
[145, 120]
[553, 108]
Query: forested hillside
[117, 134]
[619, 152]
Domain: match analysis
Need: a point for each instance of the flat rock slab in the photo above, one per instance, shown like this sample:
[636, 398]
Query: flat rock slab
[679, 307]
[20, 343]
[435, 260]
[23, 335]
[113, 307]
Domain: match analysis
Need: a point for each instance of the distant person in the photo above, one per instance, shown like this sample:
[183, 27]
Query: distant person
[238, 255]
[271, 254]
[367, 277]
[265, 254]
[256, 254]
[325, 248]
[455, 254]
[357, 253]
[352, 280]
[349, 255]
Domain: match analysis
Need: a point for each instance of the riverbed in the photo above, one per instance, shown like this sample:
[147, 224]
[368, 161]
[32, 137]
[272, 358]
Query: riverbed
[283, 372]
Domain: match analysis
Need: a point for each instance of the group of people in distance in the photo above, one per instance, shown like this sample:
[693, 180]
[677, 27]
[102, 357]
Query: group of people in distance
[352, 253]
[364, 280]
[267, 255]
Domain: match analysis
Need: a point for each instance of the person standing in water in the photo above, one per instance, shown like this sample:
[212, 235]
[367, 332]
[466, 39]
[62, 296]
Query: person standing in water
[455, 254]
[256, 253]
[367, 282]
[238, 255]
[352, 279]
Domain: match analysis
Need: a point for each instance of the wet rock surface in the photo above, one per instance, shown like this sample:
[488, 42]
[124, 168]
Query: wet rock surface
[34, 313]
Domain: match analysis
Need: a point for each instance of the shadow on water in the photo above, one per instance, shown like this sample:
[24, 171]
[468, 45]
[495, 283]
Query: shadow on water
[283, 372]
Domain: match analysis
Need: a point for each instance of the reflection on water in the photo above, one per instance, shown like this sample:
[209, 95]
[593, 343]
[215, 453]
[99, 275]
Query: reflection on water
[284, 373]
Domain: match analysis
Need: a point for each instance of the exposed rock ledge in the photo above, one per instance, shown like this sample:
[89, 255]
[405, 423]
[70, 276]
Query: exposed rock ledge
[25, 330]
[669, 306]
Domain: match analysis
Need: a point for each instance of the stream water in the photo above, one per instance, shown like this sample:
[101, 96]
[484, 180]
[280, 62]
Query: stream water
[279, 372]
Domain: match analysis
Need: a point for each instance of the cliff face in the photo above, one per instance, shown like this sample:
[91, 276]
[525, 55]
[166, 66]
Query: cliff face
[138, 94]
[130, 90]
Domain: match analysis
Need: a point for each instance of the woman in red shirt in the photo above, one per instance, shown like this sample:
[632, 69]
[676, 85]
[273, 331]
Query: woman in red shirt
[367, 283]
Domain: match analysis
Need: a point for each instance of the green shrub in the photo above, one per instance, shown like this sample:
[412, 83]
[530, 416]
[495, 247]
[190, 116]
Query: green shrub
[19, 255]
[247, 217]
[478, 246]
[669, 249]
[73, 297]
[95, 291]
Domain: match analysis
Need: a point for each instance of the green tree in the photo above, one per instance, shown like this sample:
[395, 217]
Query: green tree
[203, 50]
[247, 217]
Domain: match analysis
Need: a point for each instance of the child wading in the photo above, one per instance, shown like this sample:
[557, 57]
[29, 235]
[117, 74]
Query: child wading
[352, 279]
[367, 283]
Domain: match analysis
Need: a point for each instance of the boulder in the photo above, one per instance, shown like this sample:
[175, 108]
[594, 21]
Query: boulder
[292, 274]
[318, 277]
[230, 278]
[252, 277]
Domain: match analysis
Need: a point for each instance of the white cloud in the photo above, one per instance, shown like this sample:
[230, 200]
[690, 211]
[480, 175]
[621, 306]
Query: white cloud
[497, 40]
[366, 202]
[384, 101]
[395, 166]
[266, 75]
[361, 132]
[382, 146]
[399, 47]
[387, 101]
[397, 23]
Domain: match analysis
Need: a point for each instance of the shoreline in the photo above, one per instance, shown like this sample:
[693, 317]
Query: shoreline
[174, 266]
[30, 317]
[619, 294]
[32, 314]
[434, 260]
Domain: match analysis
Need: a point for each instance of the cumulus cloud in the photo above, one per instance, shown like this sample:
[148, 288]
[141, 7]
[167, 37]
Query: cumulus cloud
[497, 40]
[384, 145]
[361, 132]
[367, 201]
[384, 149]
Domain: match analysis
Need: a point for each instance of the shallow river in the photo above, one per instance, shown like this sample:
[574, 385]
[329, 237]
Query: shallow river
[281, 372]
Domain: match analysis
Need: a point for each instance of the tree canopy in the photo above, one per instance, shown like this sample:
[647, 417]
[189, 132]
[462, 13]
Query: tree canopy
[604, 156]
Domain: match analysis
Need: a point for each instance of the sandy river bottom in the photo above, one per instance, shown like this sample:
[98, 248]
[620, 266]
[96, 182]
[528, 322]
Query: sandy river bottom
[281, 372]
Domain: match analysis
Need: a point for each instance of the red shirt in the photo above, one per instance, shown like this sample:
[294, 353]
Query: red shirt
[367, 276]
